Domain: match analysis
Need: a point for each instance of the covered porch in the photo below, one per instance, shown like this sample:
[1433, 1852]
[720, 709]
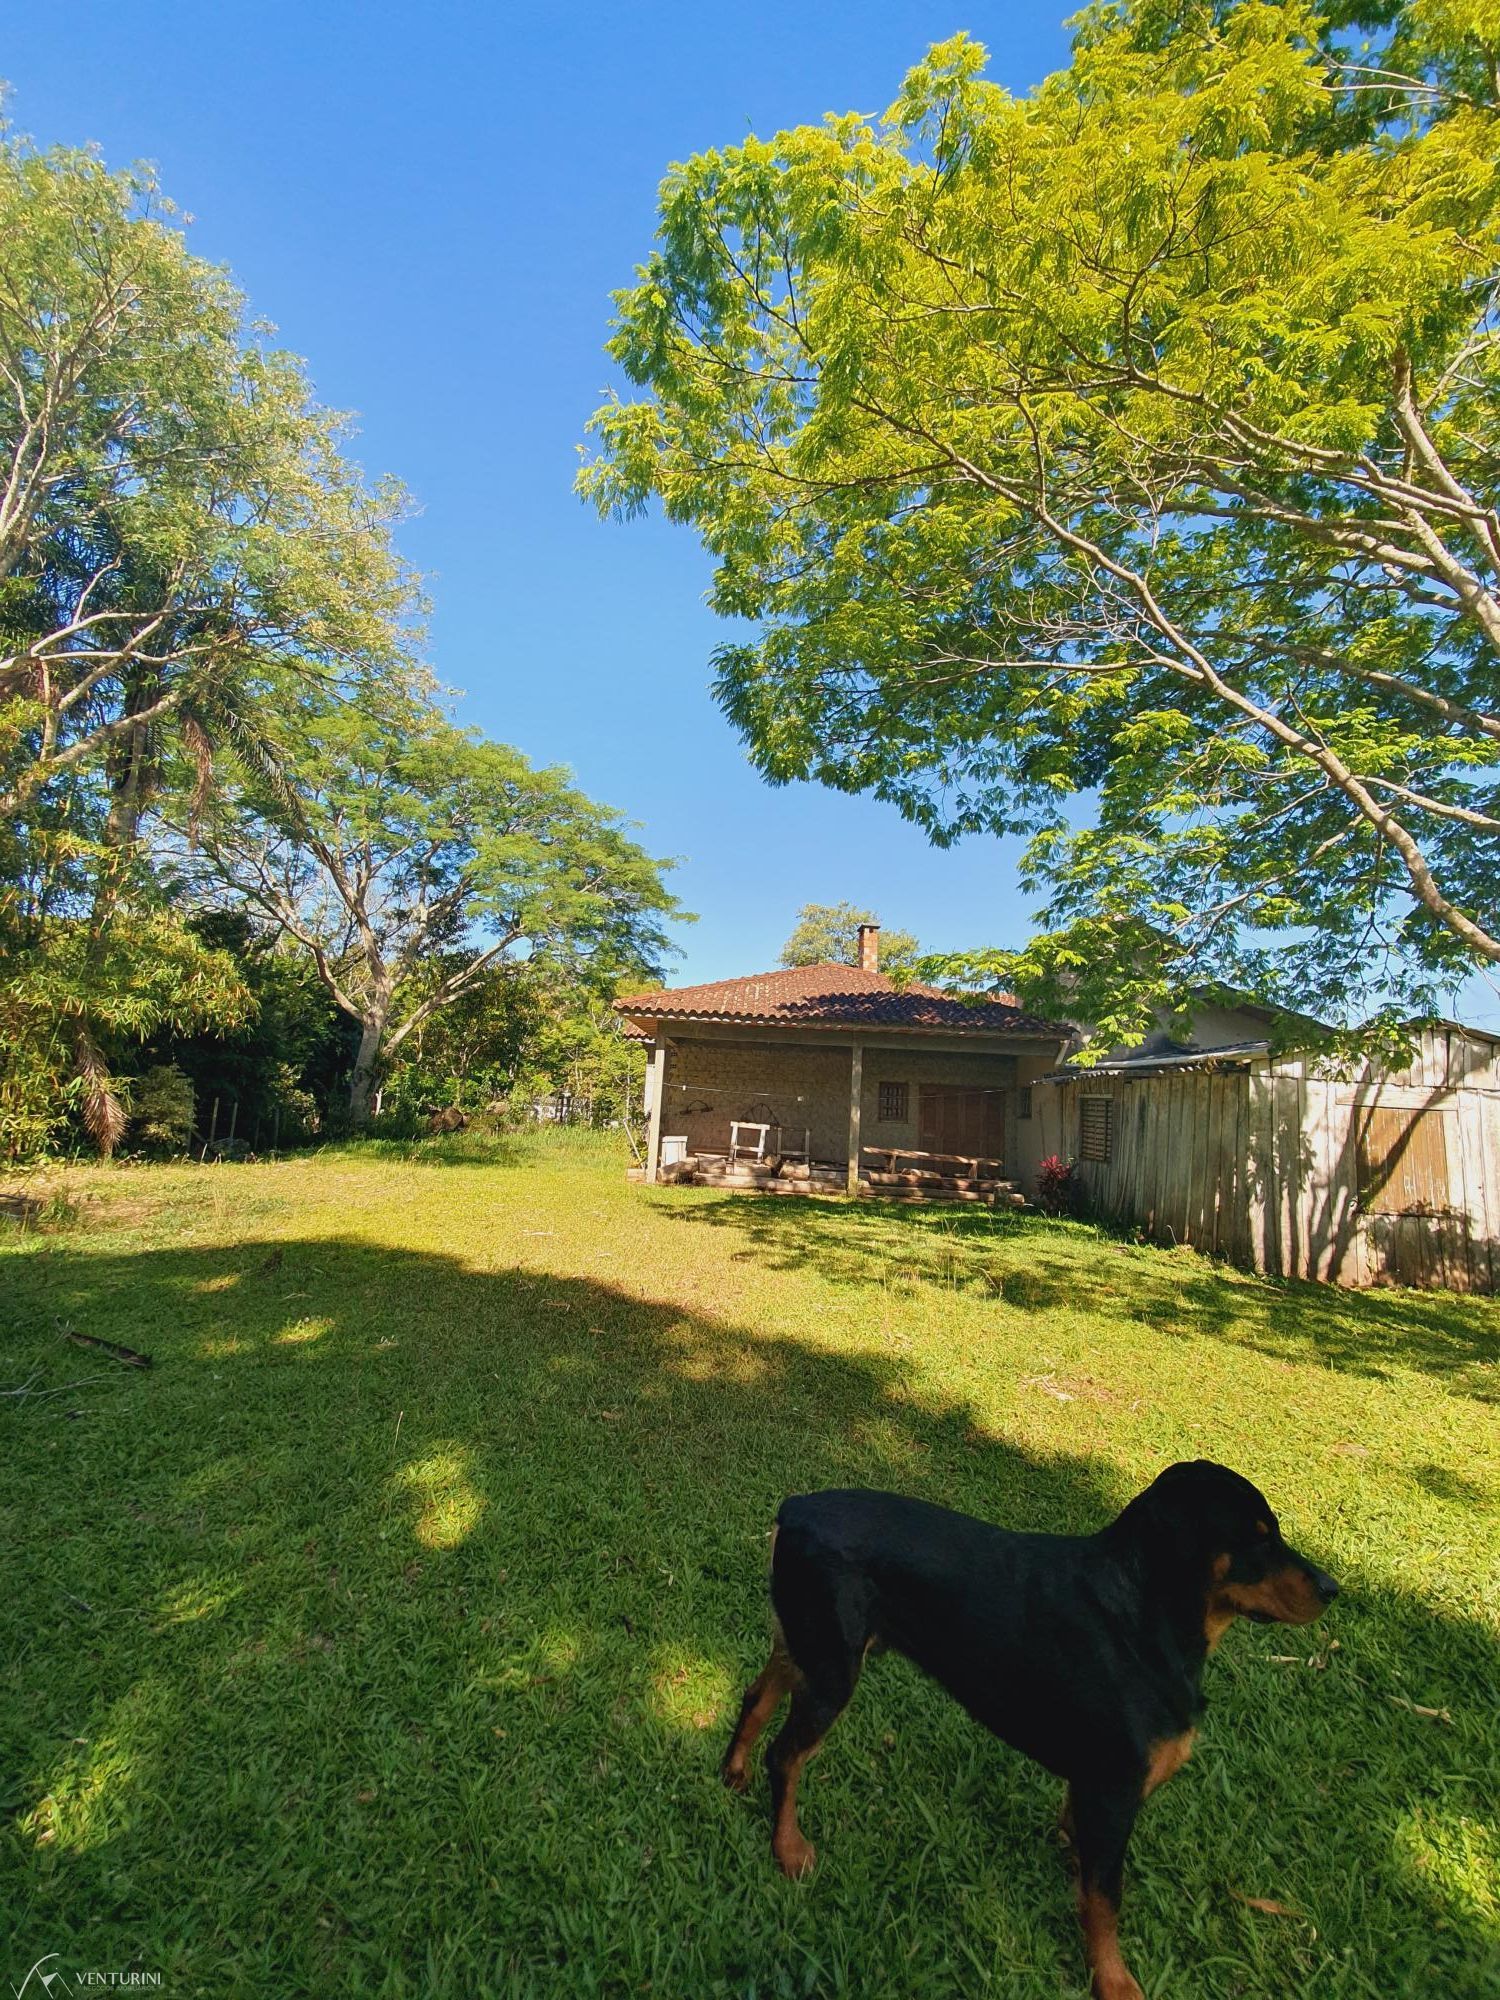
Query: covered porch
[829, 1078]
[792, 1114]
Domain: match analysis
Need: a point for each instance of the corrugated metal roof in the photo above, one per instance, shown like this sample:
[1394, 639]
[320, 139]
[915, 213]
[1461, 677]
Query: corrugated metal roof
[1231, 1055]
[1236, 1055]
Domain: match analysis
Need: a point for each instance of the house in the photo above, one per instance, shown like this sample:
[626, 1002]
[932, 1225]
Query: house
[833, 1076]
[1279, 1162]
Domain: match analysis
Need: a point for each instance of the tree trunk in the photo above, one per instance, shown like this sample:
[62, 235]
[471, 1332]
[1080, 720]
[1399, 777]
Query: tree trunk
[362, 1083]
[104, 1115]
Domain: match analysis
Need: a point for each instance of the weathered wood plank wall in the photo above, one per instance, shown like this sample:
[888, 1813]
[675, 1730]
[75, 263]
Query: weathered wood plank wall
[1378, 1175]
[1177, 1165]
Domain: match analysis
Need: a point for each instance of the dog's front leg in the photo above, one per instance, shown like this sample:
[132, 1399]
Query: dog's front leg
[1102, 1818]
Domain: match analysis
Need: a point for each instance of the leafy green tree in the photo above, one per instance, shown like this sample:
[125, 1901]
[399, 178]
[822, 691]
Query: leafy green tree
[1119, 466]
[576, 1050]
[95, 959]
[829, 932]
[385, 837]
[162, 1108]
[470, 1051]
[81, 994]
[182, 542]
[179, 526]
[520, 1034]
[276, 1069]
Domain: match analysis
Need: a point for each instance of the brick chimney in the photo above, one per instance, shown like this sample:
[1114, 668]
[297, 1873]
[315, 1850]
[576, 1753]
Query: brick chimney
[869, 947]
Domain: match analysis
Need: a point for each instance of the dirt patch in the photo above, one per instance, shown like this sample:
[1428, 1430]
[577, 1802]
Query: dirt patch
[49, 1208]
[1070, 1388]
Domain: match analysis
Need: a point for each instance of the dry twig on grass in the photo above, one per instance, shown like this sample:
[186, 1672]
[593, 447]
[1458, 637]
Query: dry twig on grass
[127, 1355]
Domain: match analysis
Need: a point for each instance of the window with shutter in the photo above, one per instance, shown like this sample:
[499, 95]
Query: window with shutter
[893, 1101]
[1095, 1127]
[1403, 1161]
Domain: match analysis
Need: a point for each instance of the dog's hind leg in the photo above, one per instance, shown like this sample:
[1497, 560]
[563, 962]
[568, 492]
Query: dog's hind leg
[816, 1707]
[825, 1621]
[763, 1697]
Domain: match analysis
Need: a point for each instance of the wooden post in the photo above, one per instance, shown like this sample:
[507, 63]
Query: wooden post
[856, 1094]
[657, 1081]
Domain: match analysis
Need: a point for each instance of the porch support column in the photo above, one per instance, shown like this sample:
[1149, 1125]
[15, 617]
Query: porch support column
[656, 1083]
[856, 1092]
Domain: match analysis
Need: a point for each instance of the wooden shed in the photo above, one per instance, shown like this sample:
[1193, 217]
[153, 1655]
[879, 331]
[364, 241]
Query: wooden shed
[1277, 1162]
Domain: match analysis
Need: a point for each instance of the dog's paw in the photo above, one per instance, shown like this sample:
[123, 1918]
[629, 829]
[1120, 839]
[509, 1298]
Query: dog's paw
[1117, 1986]
[795, 1857]
[735, 1776]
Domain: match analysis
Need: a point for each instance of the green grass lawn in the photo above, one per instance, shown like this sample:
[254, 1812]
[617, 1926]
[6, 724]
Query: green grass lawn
[384, 1638]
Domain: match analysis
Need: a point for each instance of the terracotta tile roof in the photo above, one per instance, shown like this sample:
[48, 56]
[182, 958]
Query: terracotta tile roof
[833, 996]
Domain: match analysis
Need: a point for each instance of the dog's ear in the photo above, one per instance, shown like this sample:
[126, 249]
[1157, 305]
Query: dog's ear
[1166, 1512]
[1179, 1520]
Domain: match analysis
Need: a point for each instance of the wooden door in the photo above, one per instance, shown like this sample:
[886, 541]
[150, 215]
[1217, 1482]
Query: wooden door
[958, 1118]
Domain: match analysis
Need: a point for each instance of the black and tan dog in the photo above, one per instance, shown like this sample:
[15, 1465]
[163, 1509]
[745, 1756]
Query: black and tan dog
[1084, 1651]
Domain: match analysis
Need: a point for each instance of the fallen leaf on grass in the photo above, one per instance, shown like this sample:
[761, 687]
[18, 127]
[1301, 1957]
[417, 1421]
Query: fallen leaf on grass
[1265, 1905]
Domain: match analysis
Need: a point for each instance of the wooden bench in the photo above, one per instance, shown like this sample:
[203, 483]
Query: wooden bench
[946, 1166]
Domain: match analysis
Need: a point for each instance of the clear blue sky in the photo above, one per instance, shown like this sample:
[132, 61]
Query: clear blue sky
[433, 203]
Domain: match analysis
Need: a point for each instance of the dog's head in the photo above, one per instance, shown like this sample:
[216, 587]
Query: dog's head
[1216, 1530]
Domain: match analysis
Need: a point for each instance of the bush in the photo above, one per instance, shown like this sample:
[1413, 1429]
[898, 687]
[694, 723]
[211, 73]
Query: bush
[163, 1109]
[1057, 1188]
[291, 1112]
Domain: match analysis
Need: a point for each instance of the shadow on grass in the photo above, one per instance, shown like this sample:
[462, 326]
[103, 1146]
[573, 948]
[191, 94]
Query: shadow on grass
[384, 1638]
[1037, 1264]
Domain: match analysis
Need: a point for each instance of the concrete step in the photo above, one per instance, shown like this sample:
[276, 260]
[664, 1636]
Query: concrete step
[748, 1178]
